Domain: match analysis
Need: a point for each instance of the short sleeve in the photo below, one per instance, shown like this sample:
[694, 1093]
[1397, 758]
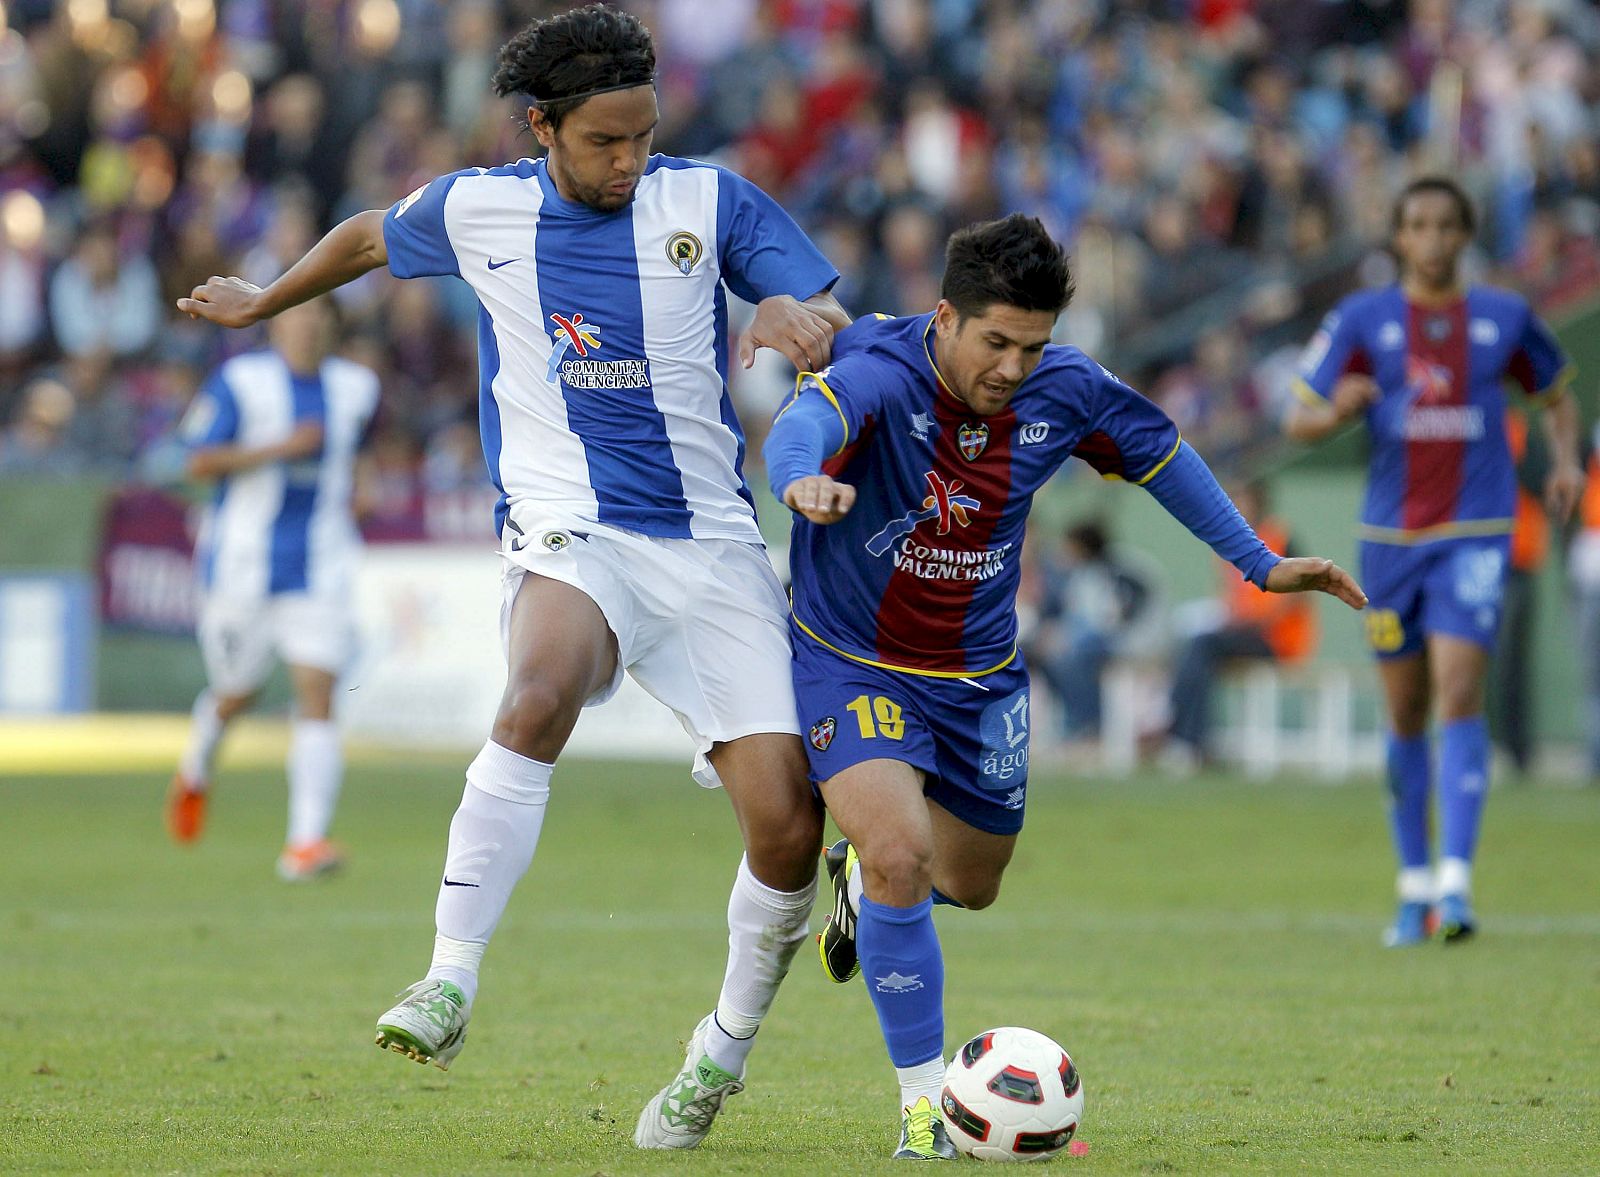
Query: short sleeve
[1131, 438]
[212, 417]
[1539, 365]
[1334, 351]
[761, 250]
[415, 234]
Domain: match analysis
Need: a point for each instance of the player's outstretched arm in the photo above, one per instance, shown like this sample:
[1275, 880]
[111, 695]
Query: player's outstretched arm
[1313, 574]
[819, 498]
[350, 249]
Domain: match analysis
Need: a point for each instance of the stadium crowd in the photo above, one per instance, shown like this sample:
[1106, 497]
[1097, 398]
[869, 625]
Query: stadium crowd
[1222, 170]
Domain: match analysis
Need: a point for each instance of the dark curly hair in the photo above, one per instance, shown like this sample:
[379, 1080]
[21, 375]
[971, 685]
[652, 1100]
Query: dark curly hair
[590, 48]
[1013, 261]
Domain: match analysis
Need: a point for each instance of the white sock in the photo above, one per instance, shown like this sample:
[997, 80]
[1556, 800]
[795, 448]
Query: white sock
[924, 1079]
[492, 839]
[316, 770]
[1455, 876]
[765, 928]
[205, 735]
[1415, 885]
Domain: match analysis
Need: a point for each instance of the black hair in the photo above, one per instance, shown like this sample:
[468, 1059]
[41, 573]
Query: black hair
[559, 63]
[1443, 185]
[1013, 261]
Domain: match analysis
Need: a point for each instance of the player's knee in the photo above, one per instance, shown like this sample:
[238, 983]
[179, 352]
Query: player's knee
[979, 895]
[900, 871]
[532, 711]
[229, 706]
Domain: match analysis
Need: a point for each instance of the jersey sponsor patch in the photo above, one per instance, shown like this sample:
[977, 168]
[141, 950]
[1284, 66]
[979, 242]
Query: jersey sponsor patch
[684, 251]
[400, 209]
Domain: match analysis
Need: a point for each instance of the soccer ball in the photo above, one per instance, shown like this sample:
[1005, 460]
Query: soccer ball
[1012, 1095]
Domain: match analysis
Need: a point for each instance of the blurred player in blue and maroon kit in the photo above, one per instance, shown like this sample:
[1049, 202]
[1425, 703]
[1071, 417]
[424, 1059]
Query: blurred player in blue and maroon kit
[911, 463]
[1425, 363]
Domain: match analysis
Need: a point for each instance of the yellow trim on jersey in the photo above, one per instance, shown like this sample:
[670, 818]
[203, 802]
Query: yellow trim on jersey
[1301, 387]
[1159, 466]
[1464, 529]
[822, 386]
[1554, 390]
[1011, 657]
[1154, 470]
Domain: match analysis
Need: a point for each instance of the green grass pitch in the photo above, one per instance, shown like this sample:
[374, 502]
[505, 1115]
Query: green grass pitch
[1208, 951]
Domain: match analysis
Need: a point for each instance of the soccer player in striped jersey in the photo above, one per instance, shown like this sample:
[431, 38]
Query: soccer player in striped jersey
[277, 430]
[1424, 363]
[628, 533]
[911, 463]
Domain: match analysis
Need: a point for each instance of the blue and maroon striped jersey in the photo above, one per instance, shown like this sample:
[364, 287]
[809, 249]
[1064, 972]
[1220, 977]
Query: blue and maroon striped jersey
[1441, 465]
[922, 574]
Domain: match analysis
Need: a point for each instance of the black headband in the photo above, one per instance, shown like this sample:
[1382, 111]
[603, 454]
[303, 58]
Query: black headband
[537, 101]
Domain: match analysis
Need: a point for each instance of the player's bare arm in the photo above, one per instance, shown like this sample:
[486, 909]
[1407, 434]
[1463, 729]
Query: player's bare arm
[350, 249]
[819, 498]
[219, 461]
[1315, 574]
[801, 331]
[1563, 486]
[1351, 397]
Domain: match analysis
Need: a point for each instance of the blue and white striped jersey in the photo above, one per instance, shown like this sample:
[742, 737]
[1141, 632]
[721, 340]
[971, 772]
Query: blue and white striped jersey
[602, 336]
[285, 526]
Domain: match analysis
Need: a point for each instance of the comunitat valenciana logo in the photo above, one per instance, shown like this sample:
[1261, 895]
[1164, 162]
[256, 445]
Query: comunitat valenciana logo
[574, 342]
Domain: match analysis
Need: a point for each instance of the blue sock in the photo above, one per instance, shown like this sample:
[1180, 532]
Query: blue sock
[1409, 777]
[904, 971]
[940, 898]
[1463, 785]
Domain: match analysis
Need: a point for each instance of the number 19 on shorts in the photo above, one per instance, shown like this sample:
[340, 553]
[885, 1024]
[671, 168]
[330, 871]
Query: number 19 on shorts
[878, 716]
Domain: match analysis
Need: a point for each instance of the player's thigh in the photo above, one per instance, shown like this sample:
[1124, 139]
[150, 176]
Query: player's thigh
[317, 632]
[313, 691]
[560, 651]
[1394, 577]
[968, 862]
[236, 645]
[878, 805]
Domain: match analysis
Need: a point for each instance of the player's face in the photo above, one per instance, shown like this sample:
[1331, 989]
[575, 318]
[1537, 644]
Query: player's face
[303, 335]
[598, 155]
[984, 357]
[1430, 238]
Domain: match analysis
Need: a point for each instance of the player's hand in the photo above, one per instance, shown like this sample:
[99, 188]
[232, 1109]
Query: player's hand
[789, 326]
[1353, 394]
[1308, 574]
[231, 302]
[304, 441]
[819, 498]
[1562, 490]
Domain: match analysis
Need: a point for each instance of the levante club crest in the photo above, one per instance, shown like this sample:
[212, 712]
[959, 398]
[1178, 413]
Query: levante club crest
[822, 733]
[972, 438]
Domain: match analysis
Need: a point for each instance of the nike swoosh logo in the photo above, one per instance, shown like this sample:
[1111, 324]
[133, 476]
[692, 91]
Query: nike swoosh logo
[494, 265]
[449, 882]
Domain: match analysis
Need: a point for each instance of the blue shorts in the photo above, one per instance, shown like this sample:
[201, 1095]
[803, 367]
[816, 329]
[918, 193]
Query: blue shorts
[1449, 586]
[969, 736]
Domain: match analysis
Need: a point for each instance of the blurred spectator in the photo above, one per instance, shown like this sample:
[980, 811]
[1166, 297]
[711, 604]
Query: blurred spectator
[102, 304]
[1246, 624]
[1093, 603]
[38, 442]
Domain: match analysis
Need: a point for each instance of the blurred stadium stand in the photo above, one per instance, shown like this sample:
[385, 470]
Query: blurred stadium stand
[1222, 170]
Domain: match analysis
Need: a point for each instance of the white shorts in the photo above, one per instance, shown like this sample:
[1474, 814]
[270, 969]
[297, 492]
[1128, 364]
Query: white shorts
[240, 637]
[701, 624]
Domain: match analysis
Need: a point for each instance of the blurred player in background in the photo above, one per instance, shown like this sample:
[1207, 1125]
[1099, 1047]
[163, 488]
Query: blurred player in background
[277, 431]
[628, 532]
[1424, 364]
[912, 462]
